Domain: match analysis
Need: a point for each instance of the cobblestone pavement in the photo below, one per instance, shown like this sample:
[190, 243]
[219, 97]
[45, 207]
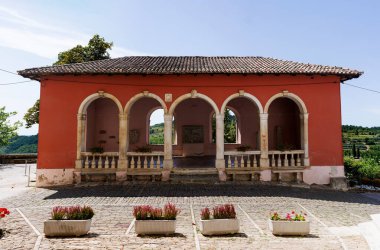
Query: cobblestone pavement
[333, 215]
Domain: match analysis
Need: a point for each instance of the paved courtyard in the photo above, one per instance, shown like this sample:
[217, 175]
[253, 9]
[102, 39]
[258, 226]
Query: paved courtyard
[334, 216]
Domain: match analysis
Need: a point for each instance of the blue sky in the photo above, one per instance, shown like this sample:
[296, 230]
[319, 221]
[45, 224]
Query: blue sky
[340, 32]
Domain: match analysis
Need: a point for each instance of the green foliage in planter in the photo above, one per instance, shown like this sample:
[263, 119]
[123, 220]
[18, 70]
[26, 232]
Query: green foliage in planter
[144, 149]
[72, 213]
[243, 148]
[226, 211]
[97, 150]
[147, 212]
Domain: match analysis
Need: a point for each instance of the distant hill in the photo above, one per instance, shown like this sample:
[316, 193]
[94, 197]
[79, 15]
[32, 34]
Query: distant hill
[21, 144]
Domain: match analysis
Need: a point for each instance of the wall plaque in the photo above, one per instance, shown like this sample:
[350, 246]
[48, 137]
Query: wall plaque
[192, 134]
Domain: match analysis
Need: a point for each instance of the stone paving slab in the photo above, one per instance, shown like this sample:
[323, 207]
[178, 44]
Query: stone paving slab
[333, 216]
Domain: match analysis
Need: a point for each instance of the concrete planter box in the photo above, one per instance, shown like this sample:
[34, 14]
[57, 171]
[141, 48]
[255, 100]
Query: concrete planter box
[219, 226]
[66, 227]
[165, 227]
[299, 228]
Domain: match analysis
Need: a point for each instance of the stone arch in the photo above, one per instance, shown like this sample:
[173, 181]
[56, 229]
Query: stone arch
[304, 119]
[242, 94]
[82, 116]
[89, 99]
[137, 97]
[238, 123]
[300, 103]
[193, 94]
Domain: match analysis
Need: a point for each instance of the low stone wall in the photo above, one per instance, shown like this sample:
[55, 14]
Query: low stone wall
[17, 158]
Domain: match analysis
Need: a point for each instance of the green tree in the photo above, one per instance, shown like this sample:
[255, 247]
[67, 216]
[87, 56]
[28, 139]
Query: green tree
[32, 116]
[96, 49]
[7, 129]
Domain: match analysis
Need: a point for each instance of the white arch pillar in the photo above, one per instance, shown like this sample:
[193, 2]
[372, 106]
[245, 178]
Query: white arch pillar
[305, 137]
[168, 141]
[264, 161]
[81, 138]
[122, 140]
[219, 161]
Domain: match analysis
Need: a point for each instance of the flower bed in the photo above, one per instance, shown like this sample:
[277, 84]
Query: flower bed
[150, 220]
[3, 212]
[292, 224]
[222, 220]
[69, 221]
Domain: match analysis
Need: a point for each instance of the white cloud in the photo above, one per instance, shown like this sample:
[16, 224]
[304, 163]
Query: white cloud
[24, 33]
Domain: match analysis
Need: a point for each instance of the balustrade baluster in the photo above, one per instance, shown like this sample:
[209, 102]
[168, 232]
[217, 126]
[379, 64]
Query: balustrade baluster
[107, 163]
[86, 164]
[113, 162]
[229, 163]
[138, 162]
[145, 161]
[132, 161]
[286, 162]
[298, 160]
[236, 163]
[254, 161]
[151, 162]
[292, 162]
[249, 161]
[272, 162]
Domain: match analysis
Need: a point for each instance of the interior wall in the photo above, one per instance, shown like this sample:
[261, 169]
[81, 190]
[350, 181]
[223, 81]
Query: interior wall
[193, 112]
[102, 125]
[284, 113]
[248, 123]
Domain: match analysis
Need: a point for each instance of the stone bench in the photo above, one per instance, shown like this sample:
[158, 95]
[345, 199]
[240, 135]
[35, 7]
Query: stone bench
[297, 172]
[253, 173]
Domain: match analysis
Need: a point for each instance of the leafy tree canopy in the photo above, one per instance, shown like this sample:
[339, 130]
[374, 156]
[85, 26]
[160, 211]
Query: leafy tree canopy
[97, 49]
[7, 129]
[32, 116]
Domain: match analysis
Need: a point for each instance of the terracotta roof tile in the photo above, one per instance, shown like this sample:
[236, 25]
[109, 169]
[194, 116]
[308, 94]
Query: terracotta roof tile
[190, 65]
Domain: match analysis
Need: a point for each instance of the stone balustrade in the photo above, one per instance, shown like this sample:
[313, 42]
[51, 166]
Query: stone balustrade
[247, 159]
[284, 159]
[106, 160]
[151, 160]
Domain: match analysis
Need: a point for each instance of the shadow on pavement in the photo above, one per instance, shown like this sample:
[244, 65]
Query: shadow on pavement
[206, 190]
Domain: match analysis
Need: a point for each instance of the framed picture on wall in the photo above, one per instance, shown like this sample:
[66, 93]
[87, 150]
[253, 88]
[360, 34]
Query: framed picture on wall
[134, 136]
[192, 134]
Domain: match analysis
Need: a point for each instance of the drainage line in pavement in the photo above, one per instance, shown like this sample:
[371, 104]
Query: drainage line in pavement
[323, 224]
[197, 245]
[39, 236]
[130, 226]
[253, 222]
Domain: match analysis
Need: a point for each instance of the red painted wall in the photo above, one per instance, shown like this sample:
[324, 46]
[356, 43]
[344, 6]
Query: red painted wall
[61, 97]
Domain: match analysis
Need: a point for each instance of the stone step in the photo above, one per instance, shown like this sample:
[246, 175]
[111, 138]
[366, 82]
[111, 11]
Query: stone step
[371, 233]
[194, 175]
[194, 171]
[376, 220]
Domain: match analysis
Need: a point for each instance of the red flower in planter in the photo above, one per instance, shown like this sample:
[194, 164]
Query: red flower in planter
[3, 212]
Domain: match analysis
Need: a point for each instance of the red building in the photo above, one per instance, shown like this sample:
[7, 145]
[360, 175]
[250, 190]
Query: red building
[94, 119]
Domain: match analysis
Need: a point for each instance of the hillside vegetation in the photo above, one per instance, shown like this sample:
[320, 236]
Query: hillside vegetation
[21, 145]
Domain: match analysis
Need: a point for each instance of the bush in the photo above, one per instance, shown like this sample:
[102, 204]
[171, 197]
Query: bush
[293, 216]
[72, 213]
[146, 212]
[357, 169]
[226, 211]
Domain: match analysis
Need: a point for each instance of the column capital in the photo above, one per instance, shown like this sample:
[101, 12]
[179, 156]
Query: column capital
[219, 116]
[168, 117]
[123, 116]
[263, 116]
[81, 117]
